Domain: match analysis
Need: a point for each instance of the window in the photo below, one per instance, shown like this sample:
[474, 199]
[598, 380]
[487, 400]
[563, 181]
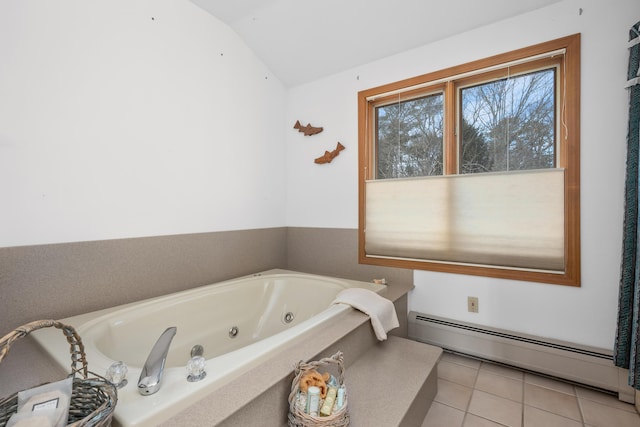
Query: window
[475, 169]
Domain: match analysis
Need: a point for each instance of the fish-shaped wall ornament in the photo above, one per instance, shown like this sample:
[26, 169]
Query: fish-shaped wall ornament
[330, 155]
[308, 130]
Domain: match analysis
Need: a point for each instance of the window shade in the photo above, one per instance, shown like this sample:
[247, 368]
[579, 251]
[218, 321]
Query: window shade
[504, 219]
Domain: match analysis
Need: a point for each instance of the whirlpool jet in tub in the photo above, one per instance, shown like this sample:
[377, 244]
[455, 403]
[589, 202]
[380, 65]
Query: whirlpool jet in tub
[238, 323]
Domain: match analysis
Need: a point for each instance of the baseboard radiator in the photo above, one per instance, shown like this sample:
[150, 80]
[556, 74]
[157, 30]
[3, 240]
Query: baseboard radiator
[579, 364]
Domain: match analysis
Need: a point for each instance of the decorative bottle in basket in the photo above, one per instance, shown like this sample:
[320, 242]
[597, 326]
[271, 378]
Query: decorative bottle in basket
[313, 400]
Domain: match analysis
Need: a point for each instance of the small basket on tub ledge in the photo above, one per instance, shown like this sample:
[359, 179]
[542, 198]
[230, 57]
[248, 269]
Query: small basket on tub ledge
[308, 410]
[92, 399]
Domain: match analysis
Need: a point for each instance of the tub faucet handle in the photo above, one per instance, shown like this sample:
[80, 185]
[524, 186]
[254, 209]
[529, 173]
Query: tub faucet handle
[117, 374]
[195, 369]
[197, 350]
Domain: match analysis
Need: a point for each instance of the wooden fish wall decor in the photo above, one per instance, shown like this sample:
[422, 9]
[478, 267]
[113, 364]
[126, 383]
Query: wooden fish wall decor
[328, 156]
[308, 130]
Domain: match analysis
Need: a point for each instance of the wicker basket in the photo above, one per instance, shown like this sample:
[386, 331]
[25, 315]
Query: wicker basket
[297, 416]
[93, 400]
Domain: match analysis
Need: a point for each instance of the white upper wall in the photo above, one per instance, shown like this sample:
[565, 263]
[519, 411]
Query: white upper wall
[129, 118]
[327, 195]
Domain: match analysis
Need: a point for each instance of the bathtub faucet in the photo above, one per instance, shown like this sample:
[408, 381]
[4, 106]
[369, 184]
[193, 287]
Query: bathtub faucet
[151, 374]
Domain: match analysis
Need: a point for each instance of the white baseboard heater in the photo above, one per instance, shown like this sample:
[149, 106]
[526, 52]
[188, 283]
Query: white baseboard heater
[579, 364]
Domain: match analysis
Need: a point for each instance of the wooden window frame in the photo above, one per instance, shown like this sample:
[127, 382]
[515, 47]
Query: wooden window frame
[568, 153]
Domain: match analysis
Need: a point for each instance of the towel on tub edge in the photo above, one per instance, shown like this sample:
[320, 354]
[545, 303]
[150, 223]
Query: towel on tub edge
[380, 310]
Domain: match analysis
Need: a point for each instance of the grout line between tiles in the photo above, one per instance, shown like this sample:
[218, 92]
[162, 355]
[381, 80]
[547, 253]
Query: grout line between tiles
[523, 401]
[579, 405]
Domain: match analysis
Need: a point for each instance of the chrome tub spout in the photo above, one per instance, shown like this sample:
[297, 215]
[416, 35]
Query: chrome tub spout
[151, 374]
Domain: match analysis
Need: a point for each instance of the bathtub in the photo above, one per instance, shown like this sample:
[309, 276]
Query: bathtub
[239, 323]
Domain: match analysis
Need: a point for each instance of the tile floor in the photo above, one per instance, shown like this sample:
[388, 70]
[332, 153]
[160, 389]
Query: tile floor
[472, 393]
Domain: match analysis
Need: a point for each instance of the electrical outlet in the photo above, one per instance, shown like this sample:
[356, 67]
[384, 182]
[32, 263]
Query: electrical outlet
[472, 304]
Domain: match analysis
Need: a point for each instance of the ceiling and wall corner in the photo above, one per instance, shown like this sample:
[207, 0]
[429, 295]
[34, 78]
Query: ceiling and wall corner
[302, 41]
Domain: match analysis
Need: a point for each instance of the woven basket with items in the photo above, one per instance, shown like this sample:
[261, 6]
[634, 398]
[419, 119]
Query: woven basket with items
[93, 399]
[318, 399]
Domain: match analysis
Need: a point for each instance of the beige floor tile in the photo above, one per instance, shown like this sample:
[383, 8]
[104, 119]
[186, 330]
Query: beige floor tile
[489, 393]
[605, 399]
[549, 383]
[505, 371]
[461, 360]
[495, 408]
[499, 385]
[452, 394]
[474, 421]
[440, 415]
[552, 401]
[534, 417]
[598, 415]
[457, 373]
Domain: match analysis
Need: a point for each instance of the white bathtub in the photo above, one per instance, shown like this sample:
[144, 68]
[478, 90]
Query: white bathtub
[256, 305]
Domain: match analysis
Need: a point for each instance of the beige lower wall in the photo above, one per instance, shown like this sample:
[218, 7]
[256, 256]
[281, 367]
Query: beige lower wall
[334, 252]
[62, 280]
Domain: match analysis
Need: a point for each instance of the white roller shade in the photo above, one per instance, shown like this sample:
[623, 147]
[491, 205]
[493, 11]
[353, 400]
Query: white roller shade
[505, 219]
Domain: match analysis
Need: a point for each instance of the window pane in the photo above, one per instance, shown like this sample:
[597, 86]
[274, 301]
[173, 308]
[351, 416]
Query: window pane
[509, 124]
[409, 138]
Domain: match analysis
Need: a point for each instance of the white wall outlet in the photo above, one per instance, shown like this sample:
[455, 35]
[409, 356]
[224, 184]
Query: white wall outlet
[472, 304]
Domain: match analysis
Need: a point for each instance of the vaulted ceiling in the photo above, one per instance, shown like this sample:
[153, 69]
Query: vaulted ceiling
[301, 40]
